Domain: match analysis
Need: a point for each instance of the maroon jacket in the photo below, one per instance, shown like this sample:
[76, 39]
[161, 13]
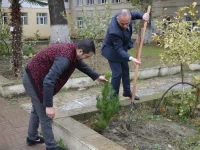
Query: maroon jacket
[40, 66]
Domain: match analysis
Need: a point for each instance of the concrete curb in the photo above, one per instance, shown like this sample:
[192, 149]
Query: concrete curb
[78, 136]
[8, 87]
[194, 66]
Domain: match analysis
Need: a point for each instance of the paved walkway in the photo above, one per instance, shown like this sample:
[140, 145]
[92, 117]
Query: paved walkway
[13, 127]
[14, 117]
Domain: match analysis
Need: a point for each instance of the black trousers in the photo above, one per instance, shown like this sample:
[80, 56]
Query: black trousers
[120, 71]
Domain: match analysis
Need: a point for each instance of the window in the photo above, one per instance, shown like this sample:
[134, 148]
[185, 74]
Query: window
[79, 2]
[79, 22]
[101, 1]
[4, 18]
[116, 1]
[41, 18]
[24, 18]
[66, 1]
[90, 2]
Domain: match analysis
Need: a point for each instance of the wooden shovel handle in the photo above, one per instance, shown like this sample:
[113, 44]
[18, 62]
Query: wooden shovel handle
[138, 57]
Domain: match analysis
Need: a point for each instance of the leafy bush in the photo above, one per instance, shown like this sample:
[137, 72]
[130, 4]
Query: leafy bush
[4, 37]
[28, 46]
[28, 50]
[185, 105]
[182, 45]
[108, 105]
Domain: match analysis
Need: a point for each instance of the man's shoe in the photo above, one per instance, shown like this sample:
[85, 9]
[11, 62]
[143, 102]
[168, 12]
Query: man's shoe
[39, 140]
[130, 95]
[137, 98]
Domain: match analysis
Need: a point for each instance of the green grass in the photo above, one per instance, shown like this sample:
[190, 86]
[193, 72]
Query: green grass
[148, 50]
[149, 55]
[149, 58]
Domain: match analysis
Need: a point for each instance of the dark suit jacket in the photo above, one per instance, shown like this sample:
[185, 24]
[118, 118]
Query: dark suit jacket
[118, 41]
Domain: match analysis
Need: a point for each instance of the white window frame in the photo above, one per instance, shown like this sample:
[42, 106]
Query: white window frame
[79, 2]
[116, 1]
[102, 1]
[4, 18]
[42, 18]
[90, 2]
[24, 18]
[79, 22]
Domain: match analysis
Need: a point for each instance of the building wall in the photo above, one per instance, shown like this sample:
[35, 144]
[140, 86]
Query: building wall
[76, 11]
[73, 11]
[32, 26]
[115, 7]
[172, 6]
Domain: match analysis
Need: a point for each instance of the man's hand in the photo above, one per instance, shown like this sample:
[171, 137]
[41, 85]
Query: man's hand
[135, 61]
[50, 112]
[145, 17]
[101, 79]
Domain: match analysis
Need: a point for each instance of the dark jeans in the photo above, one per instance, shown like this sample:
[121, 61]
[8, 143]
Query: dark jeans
[38, 115]
[120, 71]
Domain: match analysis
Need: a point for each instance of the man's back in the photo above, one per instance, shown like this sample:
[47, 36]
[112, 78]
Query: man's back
[117, 39]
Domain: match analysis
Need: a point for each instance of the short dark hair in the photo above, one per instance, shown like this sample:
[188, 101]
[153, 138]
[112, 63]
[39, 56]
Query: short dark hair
[87, 45]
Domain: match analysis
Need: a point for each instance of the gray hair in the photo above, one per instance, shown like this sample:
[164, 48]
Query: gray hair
[124, 12]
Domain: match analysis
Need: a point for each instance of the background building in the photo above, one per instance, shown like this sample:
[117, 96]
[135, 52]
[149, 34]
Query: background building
[36, 18]
[172, 6]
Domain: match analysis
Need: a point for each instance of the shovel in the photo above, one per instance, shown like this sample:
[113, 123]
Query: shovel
[138, 58]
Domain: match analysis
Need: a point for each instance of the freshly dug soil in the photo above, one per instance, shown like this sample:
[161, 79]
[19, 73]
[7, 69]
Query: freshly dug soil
[144, 131]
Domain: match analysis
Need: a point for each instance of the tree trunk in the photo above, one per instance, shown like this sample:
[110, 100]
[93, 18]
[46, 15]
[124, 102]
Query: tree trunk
[0, 6]
[182, 73]
[16, 37]
[59, 27]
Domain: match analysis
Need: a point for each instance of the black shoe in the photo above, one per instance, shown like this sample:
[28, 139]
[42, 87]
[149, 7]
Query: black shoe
[130, 95]
[39, 140]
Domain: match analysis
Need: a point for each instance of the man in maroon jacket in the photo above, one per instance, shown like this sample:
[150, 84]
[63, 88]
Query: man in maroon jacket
[45, 75]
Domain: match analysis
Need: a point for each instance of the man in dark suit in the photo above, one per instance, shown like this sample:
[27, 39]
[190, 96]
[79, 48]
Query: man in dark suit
[115, 46]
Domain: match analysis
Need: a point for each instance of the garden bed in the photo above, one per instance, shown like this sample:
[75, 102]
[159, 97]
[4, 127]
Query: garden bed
[141, 130]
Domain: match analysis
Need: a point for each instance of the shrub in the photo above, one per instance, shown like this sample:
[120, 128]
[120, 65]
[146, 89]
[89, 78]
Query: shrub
[4, 36]
[108, 105]
[180, 42]
[28, 50]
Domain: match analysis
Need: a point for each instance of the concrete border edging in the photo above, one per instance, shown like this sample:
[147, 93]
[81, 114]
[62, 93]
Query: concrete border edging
[12, 88]
[194, 67]
[78, 136]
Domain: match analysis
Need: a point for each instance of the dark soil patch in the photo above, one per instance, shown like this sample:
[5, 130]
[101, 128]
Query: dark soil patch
[148, 134]
[141, 130]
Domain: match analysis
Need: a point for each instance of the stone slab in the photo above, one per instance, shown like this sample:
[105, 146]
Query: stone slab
[7, 87]
[4, 81]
